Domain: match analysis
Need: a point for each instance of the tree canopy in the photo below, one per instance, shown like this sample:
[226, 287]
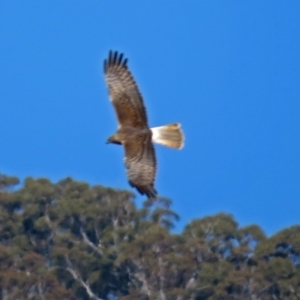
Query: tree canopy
[70, 240]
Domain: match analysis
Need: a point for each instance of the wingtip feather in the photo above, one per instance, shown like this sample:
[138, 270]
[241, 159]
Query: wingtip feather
[115, 59]
[147, 190]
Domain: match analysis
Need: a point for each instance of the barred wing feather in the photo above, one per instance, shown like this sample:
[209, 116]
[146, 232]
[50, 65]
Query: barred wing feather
[124, 93]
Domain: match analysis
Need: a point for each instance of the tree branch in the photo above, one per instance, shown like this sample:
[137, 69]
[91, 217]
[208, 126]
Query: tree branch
[88, 242]
[40, 289]
[77, 277]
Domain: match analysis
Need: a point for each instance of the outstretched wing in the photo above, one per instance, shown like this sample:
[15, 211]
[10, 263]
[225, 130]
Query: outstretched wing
[124, 92]
[141, 164]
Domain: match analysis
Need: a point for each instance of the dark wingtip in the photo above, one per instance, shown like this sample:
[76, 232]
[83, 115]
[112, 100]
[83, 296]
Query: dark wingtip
[148, 190]
[105, 65]
[120, 59]
[114, 59]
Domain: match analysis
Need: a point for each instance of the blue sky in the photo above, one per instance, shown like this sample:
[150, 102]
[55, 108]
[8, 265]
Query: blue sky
[227, 70]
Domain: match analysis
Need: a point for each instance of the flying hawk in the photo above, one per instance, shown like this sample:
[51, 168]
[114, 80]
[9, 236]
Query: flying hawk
[133, 130]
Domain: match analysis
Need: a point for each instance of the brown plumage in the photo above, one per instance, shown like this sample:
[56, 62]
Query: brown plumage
[133, 130]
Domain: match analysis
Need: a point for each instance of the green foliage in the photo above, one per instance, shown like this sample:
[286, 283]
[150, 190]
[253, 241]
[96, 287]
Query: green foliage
[69, 240]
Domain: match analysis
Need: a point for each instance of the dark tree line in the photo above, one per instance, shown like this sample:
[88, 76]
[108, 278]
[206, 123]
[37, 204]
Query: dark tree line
[69, 240]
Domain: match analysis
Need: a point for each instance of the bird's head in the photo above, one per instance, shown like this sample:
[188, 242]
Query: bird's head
[113, 139]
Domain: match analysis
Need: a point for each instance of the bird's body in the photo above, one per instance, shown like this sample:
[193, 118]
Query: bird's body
[133, 130]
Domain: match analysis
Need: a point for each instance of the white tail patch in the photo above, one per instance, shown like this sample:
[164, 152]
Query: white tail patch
[169, 135]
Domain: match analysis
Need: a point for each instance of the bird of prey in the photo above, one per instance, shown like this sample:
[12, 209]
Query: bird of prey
[133, 130]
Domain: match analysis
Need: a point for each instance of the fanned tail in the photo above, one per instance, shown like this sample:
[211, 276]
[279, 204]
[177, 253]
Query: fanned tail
[169, 135]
